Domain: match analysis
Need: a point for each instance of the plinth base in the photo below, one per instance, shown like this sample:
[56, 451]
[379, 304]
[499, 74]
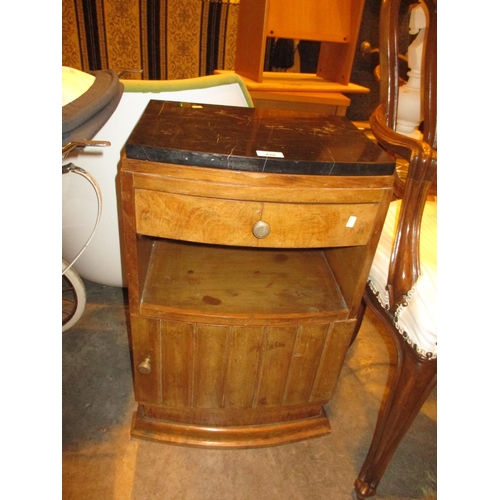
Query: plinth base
[251, 436]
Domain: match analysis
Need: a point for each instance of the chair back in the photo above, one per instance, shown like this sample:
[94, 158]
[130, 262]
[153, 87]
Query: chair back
[421, 154]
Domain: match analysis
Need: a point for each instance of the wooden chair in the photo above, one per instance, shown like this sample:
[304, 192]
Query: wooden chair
[402, 284]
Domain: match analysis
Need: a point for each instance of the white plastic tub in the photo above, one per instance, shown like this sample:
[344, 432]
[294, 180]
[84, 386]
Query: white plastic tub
[101, 262]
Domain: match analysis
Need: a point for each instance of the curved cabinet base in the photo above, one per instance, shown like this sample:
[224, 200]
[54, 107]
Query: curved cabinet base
[250, 436]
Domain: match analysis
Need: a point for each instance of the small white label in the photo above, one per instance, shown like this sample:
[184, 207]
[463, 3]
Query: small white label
[351, 221]
[270, 154]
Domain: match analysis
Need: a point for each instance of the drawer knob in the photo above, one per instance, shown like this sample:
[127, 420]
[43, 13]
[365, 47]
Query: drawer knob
[261, 229]
[145, 366]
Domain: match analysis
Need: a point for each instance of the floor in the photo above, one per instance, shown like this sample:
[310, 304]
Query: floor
[102, 462]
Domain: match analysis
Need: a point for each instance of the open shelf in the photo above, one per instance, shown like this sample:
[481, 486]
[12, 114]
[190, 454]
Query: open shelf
[220, 282]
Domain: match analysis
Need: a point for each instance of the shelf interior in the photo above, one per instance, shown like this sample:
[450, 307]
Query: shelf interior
[233, 281]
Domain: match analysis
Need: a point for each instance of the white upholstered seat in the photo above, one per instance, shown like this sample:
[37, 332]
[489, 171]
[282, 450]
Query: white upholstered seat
[416, 321]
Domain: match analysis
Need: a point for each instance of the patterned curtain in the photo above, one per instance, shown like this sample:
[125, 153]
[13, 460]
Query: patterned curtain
[167, 39]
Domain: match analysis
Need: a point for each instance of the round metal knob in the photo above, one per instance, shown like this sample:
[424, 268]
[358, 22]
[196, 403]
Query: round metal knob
[145, 366]
[261, 229]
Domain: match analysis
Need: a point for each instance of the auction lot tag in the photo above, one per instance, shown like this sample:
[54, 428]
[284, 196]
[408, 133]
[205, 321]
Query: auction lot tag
[270, 154]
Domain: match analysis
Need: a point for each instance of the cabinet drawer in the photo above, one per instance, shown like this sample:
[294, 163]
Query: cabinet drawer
[252, 223]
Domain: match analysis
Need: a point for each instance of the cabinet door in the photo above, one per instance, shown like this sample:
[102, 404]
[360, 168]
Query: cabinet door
[213, 367]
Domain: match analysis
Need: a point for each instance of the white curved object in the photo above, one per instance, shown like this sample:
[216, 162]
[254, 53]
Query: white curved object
[80, 296]
[417, 320]
[74, 84]
[101, 262]
[409, 114]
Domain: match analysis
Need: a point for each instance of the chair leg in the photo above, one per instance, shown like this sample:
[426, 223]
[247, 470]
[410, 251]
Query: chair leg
[413, 381]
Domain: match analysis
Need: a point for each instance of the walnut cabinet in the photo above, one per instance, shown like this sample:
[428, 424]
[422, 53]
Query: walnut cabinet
[245, 275]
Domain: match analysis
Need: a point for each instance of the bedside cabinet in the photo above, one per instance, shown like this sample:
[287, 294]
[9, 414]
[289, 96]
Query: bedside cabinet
[248, 235]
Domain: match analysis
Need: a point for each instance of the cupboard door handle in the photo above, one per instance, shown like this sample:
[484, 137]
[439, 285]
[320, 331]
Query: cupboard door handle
[261, 229]
[145, 366]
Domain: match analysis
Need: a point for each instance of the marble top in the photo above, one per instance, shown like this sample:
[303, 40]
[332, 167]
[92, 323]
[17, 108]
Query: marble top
[255, 140]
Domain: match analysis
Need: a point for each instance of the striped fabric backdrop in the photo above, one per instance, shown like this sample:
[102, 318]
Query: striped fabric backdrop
[167, 39]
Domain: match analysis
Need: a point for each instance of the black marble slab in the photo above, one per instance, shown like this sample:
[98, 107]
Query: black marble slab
[235, 138]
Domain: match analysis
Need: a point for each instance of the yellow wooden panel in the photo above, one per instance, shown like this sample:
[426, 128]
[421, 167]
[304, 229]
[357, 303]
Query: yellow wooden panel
[319, 20]
[333, 356]
[305, 361]
[211, 342]
[277, 354]
[176, 362]
[251, 39]
[239, 387]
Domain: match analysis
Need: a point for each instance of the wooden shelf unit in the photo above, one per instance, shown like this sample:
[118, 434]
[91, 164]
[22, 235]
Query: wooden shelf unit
[334, 23]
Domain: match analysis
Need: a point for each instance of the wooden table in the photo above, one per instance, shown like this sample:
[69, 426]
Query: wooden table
[315, 102]
[248, 236]
[300, 92]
